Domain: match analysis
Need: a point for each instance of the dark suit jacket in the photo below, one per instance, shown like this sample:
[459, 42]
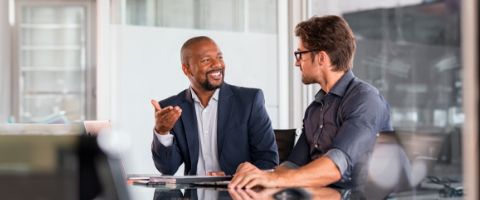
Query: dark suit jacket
[244, 133]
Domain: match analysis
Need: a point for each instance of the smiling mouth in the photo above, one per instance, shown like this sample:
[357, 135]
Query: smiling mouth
[215, 74]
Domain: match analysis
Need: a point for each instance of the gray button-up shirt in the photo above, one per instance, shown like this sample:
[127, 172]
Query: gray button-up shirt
[342, 124]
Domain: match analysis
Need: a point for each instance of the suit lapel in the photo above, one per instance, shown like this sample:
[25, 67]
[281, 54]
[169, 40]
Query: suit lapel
[224, 110]
[189, 121]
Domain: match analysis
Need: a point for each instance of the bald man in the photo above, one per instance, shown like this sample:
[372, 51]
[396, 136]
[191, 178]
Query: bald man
[212, 126]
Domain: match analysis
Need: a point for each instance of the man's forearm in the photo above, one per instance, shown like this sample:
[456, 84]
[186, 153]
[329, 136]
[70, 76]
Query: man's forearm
[320, 172]
[285, 166]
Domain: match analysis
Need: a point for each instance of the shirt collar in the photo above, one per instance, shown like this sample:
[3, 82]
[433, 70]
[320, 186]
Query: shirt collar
[196, 99]
[339, 88]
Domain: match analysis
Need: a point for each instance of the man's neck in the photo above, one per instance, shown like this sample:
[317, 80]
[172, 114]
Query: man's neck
[203, 95]
[331, 78]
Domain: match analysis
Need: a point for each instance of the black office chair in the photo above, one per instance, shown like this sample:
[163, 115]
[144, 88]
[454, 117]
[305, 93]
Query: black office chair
[285, 139]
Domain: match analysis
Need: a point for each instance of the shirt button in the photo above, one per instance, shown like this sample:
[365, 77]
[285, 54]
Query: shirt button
[316, 145]
[321, 125]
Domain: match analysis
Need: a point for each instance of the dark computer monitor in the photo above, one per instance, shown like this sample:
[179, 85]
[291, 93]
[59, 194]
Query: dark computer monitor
[57, 162]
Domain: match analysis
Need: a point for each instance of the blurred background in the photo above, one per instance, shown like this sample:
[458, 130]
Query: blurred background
[67, 61]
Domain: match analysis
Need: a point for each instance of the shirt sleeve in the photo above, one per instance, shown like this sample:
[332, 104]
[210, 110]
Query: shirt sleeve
[362, 113]
[166, 139]
[289, 165]
[339, 158]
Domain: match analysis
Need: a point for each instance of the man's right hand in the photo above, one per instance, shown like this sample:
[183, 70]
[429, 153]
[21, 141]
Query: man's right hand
[165, 118]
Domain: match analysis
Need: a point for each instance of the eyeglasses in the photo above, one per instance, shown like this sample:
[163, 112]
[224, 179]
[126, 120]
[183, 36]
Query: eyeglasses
[298, 54]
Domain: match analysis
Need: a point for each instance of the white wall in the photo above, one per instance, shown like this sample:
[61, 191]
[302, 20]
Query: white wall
[4, 62]
[147, 62]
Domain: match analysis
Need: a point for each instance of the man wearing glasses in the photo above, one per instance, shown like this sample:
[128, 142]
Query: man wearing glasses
[212, 126]
[339, 126]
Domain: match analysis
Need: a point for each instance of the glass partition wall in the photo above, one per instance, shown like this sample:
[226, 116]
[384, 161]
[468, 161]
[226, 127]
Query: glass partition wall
[410, 51]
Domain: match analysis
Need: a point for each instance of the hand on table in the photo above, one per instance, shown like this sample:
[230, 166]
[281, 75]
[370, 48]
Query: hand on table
[248, 176]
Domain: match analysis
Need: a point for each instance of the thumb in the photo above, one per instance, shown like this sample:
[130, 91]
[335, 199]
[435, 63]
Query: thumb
[156, 105]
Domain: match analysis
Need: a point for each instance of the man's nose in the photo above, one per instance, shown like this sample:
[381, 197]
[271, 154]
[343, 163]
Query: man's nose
[217, 62]
[297, 63]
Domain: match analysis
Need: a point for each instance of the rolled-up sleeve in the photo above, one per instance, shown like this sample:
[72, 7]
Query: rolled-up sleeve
[339, 158]
[356, 137]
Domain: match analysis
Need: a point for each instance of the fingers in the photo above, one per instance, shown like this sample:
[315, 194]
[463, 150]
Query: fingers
[245, 167]
[167, 109]
[166, 118]
[156, 105]
[235, 180]
[240, 194]
[253, 194]
[263, 193]
[169, 115]
[242, 170]
[216, 173]
[163, 112]
[239, 180]
[244, 195]
[254, 182]
[233, 193]
[236, 195]
[247, 180]
[248, 176]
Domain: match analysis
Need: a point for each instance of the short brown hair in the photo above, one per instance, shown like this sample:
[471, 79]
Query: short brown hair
[184, 54]
[332, 35]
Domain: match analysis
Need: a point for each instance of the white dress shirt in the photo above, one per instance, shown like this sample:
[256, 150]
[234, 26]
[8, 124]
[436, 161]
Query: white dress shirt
[207, 134]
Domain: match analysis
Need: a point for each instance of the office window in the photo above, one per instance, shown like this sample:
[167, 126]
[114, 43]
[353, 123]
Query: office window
[53, 62]
[229, 15]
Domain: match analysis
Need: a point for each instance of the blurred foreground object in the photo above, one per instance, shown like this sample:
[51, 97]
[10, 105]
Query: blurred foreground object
[40, 161]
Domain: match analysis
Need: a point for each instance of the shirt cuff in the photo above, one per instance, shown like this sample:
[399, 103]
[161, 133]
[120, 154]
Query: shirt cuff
[166, 139]
[289, 165]
[339, 158]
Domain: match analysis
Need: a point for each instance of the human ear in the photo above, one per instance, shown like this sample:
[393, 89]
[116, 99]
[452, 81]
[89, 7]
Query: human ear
[186, 69]
[323, 58]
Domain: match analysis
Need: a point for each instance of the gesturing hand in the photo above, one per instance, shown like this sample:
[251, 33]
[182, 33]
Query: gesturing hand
[165, 118]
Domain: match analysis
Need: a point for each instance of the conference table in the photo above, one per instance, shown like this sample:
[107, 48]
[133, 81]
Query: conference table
[187, 192]
[160, 192]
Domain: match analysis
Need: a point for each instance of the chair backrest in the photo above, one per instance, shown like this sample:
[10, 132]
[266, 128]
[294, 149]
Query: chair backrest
[285, 139]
